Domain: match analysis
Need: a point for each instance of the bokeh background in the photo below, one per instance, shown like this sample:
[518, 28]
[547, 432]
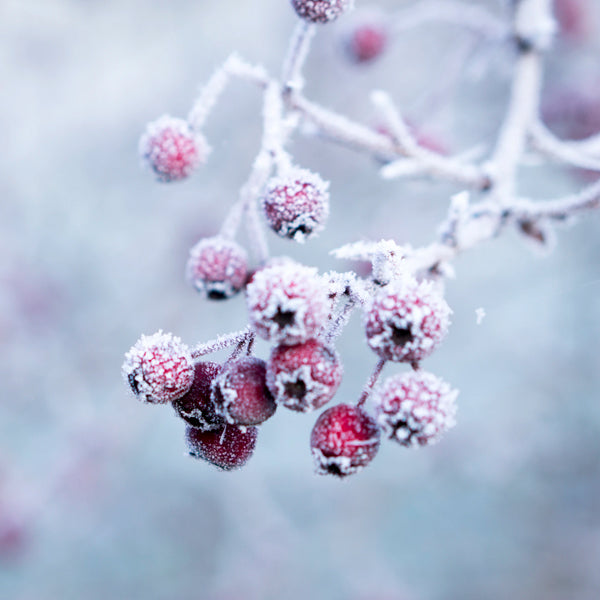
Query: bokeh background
[97, 496]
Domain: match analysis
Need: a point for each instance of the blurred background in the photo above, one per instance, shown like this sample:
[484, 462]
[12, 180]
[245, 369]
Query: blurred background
[97, 496]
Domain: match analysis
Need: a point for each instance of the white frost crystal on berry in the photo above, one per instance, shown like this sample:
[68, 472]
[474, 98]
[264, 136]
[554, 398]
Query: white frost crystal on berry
[159, 368]
[321, 11]
[287, 303]
[415, 408]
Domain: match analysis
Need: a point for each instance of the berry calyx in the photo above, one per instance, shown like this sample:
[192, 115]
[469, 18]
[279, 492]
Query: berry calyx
[406, 321]
[240, 392]
[415, 408]
[296, 204]
[159, 368]
[344, 440]
[172, 149]
[196, 406]
[228, 447]
[217, 267]
[320, 11]
[287, 303]
[305, 376]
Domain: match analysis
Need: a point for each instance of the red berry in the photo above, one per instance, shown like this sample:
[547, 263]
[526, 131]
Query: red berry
[196, 407]
[240, 392]
[172, 149]
[159, 368]
[415, 408]
[406, 321]
[344, 440]
[287, 303]
[228, 447]
[217, 267]
[320, 11]
[305, 376]
[367, 41]
[296, 205]
[574, 18]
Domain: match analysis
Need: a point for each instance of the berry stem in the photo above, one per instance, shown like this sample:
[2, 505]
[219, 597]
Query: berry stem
[222, 342]
[340, 321]
[291, 74]
[371, 382]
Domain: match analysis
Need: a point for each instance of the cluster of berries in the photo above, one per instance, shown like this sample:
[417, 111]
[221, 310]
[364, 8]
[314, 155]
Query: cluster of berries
[300, 312]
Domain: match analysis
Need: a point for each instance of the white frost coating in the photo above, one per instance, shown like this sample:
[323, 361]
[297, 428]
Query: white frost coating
[416, 408]
[479, 315]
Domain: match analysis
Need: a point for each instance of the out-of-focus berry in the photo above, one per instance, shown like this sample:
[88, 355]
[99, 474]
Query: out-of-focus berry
[415, 408]
[228, 447]
[217, 267]
[321, 11]
[343, 440]
[287, 303]
[240, 392]
[171, 149]
[159, 368]
[296, 204]
[305, 376]
[406, 321]
[196, 407]
[366, 41]
[574, 18]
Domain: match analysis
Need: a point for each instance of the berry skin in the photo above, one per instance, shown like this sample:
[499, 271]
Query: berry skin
[305, 376]
[344, 440]
[228, 447]
[406, 321]
[171, 149]
[366, 42]
[321, 11]
[287, 303]
[159, 368]
[196, 407]
[296, 205]
[217, 267]
[240, 392]
[415, 408]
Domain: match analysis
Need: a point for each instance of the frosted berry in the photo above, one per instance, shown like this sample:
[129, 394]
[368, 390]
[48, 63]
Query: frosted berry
[159, 368]
[296, 205]
[406, 321]
[320, 11]
[217, 267]
[366, 41]
[196, 407]
[305, 376]
[228, 447]
[287, 303]
[344, 440]
[240, 392]
[171, 149]
[415, 408]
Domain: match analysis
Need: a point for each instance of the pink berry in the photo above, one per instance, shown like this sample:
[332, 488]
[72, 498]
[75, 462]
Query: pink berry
[305, 376]
[344, 440]
[172, 149]
[296, 205]
[217, 267]
[240, 392]
[320, 11]
[406, 321]
[287, 303]
[367, 41]
[415, 408]
[574, 18]
[196, 407]
[159, 368]
[228, 447]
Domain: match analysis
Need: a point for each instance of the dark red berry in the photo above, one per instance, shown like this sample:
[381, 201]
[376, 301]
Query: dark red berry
[320, 11]
[406, 321]
[305, 376]
[196, 407]
[296, 204]
[171, 149]
[344, 440]
[240, 392]
[217, 267]
[228, 447]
